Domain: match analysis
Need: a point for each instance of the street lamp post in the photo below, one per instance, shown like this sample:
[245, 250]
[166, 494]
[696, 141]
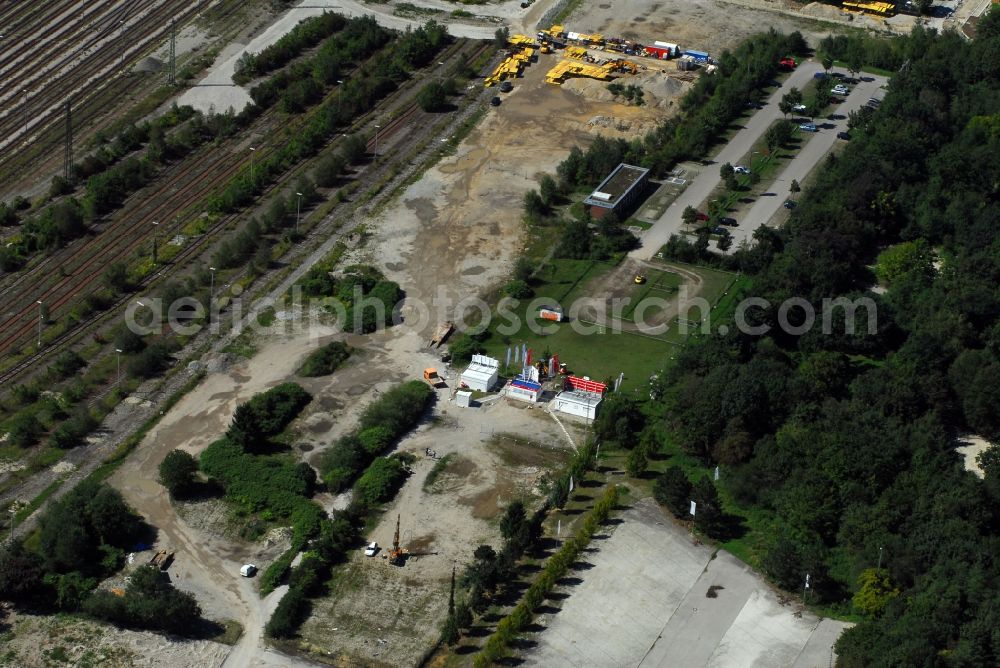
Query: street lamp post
[25, 91]
[376, 142]
[40, 318]
[211, 290]
[298, 211]
[155, 224]
[340, 94]
[118, 359]
[252, 149]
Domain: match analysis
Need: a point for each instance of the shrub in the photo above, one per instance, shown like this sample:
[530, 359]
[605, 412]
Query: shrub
[177, 472]
[375, 439]
[325, 360]
[67, 363]
[292, 610]
[380, 480]
[150, 362]
[71, 433]
[23, 430]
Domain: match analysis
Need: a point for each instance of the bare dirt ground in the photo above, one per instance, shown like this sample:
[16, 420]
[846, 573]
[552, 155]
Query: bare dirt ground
[704, 25]
[385, 615]
[971, 447]
[458, 229]
[59, 640]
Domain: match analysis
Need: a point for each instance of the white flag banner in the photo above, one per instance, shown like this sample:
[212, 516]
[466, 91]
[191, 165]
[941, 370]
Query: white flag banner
[693, 507]
[716, 472]
[571, 484]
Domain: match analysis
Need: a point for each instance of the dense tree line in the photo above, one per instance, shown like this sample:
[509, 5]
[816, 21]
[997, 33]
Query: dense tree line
[377, 78]
[82, 539]
[383, 422]
[846, 440]
[306, 34]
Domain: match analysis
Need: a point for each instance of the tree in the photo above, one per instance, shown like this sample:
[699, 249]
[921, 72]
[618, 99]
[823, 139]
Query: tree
[914, 258]
[636, 462]
[177, 472]
[827, 63]
[116, 277]
[875, 590]
[549, 190]
[726, 171]
[534, 206]
[689, 215]
[432, 97]
[794, 186]
[673, 489]
[245, 430]
[518, 290]
[523, 269]
[708, 512]
[515, 528]
[785, 107]
[500, 37]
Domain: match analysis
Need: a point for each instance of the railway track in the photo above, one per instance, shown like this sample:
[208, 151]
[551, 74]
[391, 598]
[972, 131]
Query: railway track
[71, 288]
[53, 70]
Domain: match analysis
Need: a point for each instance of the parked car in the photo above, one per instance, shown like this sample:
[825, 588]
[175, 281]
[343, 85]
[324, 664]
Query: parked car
[495, 101]
[372, 549]
[702, 216]
[741, 169]
[875, 101]
[820, 75]
[843, 135]
[728, 222]
[839, 90]
[248, 570]
[718, 230]
[799, 107]
[506, 87]
[789, 204]
[808, 127]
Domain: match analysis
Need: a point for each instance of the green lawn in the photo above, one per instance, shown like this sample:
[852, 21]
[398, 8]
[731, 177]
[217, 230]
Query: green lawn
[599, 351]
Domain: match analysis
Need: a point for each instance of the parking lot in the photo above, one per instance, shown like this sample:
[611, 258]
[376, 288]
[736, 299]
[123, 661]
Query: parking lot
[650, 595]
[815, 146]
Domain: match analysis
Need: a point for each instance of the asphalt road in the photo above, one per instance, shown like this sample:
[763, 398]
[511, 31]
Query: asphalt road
[742, 143]
[818, 144]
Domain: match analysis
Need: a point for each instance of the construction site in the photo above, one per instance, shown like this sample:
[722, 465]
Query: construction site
[433, 201]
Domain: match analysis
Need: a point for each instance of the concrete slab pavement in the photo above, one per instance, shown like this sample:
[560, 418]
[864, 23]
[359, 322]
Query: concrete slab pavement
[651, 596]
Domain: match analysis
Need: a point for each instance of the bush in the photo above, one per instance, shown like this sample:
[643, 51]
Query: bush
[150, 602]
[673, 490]
[518, 290]
[150, 362]
[326, 360]
[71, 433]
[177, 472]
[292, 610]
[375, 439]
[67, 363]
[380, 480]
[23, 430]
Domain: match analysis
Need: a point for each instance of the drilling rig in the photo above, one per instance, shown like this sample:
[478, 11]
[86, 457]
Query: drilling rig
[397, 555]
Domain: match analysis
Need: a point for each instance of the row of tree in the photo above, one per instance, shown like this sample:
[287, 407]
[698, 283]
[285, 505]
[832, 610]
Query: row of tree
[845, 439]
